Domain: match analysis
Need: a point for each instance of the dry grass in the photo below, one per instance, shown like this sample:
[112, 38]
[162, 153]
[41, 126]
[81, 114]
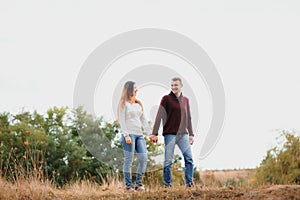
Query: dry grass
[114, 189]
[219, 178]
[27, 189]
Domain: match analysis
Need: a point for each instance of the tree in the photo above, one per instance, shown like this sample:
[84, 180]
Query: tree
[281, 164]
[63, 145]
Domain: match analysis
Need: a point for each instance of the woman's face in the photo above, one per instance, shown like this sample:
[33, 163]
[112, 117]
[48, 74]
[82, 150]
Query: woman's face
[134, 90]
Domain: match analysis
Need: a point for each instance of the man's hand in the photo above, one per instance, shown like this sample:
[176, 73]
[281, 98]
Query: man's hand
[153, 138]
[128, 139]
[191, 138]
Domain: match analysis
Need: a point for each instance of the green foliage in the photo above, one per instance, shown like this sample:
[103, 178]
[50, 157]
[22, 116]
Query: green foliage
[45, 146]
[231, 182]
[197, 175]
[281, 164]
[63, 145]
[234, 182]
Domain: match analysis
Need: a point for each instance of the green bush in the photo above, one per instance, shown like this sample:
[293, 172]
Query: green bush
[281, 164]
[47, 147]
[62, 145]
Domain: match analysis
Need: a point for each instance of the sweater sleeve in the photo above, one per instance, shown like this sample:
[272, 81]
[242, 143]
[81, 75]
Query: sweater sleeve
[122, 120]
[145, 124]
[161, 114]
[189, 118]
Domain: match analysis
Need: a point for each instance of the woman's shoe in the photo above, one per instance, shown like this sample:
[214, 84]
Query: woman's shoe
[140, 188]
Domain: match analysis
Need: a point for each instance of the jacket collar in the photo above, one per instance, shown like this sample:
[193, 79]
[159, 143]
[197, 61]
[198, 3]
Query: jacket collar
[173, 95]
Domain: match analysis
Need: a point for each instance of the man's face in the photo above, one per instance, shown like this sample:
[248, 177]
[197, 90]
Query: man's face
[176, 87]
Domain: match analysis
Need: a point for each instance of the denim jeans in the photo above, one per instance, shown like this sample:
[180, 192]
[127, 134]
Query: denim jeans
[139, 145]
[182, 140]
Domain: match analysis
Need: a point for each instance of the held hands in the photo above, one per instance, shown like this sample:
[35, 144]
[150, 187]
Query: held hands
[153, 138]
[128, 139]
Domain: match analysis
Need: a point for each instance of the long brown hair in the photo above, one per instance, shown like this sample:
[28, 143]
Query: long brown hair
[126, 95]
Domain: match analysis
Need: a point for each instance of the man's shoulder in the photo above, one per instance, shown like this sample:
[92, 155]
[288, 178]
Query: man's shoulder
[185, 98]
[166, 96]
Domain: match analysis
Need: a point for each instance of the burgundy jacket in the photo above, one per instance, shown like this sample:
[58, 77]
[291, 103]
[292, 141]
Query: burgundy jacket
[175, 114]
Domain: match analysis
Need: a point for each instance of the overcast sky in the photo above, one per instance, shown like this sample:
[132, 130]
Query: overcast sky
[254, 45]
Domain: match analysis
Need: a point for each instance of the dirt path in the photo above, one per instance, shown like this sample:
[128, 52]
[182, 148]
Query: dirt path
[278, 192]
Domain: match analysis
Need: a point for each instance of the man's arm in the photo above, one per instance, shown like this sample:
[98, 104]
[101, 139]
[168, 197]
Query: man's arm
[190, 128]
[161, 114]
[189, 118]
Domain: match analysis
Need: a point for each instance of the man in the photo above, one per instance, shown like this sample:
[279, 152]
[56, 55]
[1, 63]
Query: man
[175, 113]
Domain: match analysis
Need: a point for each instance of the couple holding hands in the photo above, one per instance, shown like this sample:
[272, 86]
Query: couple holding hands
[174, 111]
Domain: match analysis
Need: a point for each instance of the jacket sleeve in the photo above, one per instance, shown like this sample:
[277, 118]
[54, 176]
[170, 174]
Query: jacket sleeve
[161, 115]
[189, 118]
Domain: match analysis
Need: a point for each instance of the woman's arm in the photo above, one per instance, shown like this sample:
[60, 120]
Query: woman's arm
[122, 121]
[145, 124]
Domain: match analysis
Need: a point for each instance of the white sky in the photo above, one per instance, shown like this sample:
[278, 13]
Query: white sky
[255, 46]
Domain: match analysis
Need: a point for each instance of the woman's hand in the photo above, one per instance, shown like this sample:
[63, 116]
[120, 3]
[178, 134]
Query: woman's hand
[128, 139]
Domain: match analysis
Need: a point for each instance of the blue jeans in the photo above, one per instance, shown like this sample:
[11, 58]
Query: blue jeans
[139, 145]
[182, 140]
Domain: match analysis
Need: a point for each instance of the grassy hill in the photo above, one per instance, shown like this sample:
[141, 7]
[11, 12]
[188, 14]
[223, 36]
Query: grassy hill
[215, 185]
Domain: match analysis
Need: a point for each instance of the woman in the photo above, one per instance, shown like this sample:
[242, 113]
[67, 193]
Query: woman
[132, 119]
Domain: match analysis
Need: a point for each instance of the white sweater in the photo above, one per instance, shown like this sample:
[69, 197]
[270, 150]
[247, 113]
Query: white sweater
[132, 119]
